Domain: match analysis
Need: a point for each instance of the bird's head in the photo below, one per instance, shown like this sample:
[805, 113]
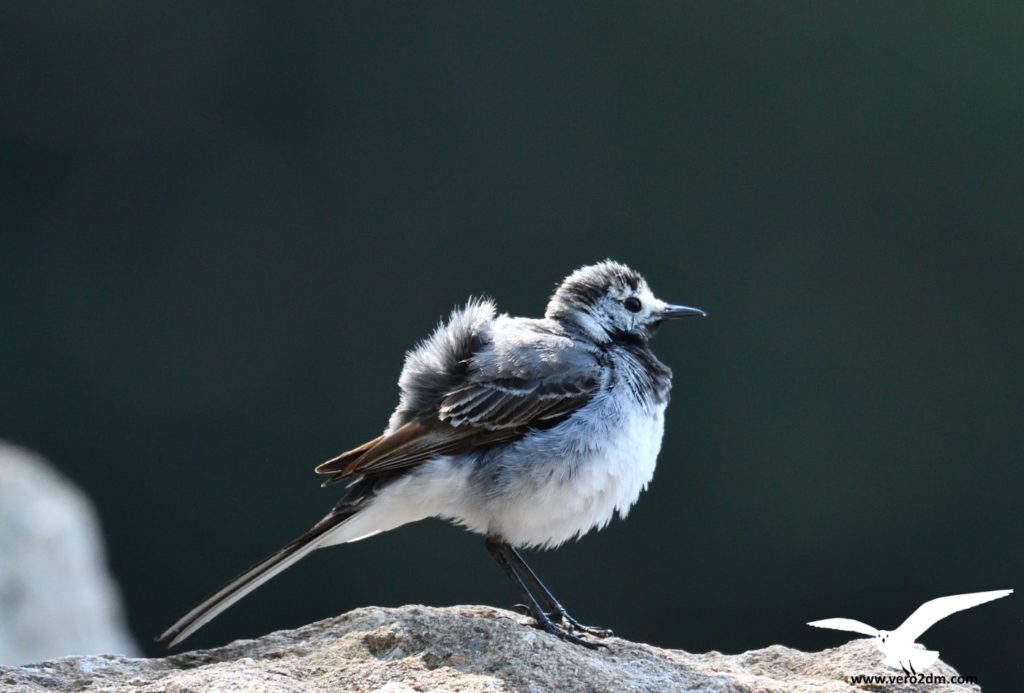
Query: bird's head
[882, 636]
[609, 301]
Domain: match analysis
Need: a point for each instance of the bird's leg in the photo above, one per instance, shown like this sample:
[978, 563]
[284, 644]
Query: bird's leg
[499, 552]
[557, 610]
[908, 668]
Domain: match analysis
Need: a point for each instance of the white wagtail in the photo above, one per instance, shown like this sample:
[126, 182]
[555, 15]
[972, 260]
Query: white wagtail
[529, 432]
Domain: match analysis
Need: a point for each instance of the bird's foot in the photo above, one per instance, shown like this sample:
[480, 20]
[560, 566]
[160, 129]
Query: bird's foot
[545, 624]
[546, 621]
[575, 625]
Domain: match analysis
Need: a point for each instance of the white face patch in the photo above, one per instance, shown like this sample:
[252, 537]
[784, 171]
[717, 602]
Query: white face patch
[608, 301]
[618, 315]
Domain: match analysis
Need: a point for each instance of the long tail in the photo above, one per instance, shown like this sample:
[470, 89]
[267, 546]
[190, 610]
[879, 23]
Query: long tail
[319, 535]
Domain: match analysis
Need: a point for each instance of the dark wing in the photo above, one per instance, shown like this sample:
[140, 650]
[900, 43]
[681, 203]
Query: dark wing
[407, 446]
[473, 417]
[516, 402]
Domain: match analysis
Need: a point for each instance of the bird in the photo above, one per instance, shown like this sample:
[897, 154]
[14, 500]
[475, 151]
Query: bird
[528, 431]
[899, 646]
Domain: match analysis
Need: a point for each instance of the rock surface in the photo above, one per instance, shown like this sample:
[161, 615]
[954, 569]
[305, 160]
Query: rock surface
[463, 648]
[56, 595]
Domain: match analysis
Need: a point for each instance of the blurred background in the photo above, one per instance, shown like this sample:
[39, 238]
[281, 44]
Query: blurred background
[223, 224]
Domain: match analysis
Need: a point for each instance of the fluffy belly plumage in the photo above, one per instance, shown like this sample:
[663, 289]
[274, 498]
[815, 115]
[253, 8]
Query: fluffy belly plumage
[599, 468]
[547, 488]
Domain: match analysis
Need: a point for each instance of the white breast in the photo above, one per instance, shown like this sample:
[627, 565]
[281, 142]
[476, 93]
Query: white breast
[579, 474]
[539, 491]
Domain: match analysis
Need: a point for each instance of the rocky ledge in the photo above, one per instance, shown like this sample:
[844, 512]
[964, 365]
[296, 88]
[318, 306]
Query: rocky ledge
[463, 648]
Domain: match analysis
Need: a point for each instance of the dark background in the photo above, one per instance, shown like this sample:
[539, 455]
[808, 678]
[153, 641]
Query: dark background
[222, 226]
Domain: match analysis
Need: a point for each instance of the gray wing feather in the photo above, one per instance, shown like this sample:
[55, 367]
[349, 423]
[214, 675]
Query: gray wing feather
[478, 381]
[524, 374]
[499, 404]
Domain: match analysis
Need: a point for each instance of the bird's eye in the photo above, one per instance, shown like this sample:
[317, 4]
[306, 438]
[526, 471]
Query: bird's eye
[633, 304]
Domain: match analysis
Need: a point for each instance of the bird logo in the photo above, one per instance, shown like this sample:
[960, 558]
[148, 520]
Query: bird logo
[899, 646]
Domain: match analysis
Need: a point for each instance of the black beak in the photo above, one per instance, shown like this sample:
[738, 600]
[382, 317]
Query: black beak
[673, 312]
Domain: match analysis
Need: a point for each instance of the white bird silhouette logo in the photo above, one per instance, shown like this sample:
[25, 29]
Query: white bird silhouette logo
[898, 646]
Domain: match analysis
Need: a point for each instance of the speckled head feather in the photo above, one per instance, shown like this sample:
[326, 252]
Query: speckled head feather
[595, 299]
[590, 283]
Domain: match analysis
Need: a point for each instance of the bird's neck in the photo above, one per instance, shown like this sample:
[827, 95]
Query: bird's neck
[648, 378]
[580, 323]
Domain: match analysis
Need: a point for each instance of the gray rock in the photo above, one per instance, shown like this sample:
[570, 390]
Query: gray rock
[462, 648]
[56, 596]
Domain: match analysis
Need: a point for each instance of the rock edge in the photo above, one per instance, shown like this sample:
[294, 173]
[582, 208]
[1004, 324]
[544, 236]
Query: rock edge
[461, 648]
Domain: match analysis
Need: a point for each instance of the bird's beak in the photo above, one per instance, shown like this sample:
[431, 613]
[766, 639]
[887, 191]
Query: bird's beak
[674, 312]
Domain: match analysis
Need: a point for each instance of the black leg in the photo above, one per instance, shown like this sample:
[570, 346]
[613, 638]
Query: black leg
[503, 554]
[556, 607]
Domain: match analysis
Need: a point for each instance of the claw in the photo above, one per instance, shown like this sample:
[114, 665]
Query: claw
[548, 626]
[575, 625]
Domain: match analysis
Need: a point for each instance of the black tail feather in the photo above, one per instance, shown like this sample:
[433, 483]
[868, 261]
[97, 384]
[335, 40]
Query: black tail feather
[255, 576]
